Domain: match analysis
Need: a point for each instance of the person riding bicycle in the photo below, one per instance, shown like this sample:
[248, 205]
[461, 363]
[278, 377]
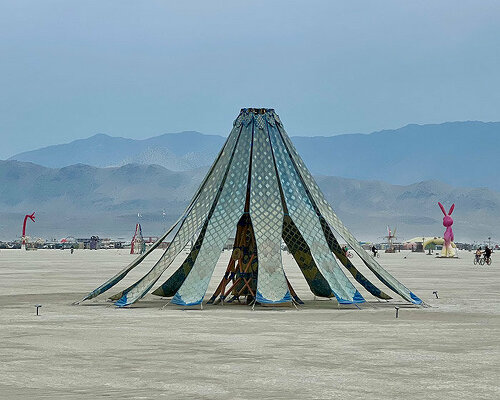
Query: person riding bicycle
[374, 251]
[478, 254]
[487, 253]
[346, 251]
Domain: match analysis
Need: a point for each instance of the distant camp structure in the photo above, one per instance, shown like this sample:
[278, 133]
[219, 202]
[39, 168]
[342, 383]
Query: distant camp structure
[259, 188]
[391, 236]
[137, 245]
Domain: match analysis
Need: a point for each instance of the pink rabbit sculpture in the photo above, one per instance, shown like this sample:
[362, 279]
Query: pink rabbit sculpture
[448, 247]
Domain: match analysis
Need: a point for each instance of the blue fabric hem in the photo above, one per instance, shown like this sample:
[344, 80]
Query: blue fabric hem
[261, 299]
[177, 299]
[356, 299]
[122, 302]
[415, 298]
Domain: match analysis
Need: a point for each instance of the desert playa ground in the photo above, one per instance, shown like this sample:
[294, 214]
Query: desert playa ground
[321, 351]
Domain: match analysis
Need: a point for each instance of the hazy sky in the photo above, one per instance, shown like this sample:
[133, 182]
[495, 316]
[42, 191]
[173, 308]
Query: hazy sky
[70, 69]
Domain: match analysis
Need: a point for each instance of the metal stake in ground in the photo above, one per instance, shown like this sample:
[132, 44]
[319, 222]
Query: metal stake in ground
[37, 307]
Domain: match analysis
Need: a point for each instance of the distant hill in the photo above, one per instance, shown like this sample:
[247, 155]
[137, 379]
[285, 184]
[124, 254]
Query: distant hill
[81, 200]
[175, 151]
[458, 153]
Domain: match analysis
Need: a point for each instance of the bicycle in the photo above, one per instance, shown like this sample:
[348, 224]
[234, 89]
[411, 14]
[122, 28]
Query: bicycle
[483, 260]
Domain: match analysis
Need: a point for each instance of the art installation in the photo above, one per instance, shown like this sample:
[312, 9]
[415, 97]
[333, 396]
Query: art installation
[24, 238]
[137, 245]
[259, 191]
[390, 240]
[448, 250]
[436, 241]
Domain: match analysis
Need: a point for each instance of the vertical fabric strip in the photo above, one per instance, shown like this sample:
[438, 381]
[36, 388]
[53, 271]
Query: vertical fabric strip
[266, 211]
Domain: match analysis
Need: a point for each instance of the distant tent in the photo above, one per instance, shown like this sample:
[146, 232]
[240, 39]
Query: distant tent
[137, 245]
[259, 187]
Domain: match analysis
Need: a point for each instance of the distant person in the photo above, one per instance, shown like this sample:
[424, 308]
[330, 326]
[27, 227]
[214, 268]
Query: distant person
[72, 249]
[374, 251]
[487, 253]
[478, 254]
[346, 251]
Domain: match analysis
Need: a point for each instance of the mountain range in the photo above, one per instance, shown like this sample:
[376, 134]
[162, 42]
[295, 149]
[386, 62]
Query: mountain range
[175, 151]
[461, 154]
[81, 200]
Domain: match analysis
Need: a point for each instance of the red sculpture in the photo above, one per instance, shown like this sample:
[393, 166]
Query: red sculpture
[32, 217]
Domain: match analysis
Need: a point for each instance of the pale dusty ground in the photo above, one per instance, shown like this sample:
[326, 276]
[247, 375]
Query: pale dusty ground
[449, 351]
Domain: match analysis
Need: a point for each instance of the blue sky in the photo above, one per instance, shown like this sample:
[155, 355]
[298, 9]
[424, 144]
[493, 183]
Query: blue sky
[70, 69]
